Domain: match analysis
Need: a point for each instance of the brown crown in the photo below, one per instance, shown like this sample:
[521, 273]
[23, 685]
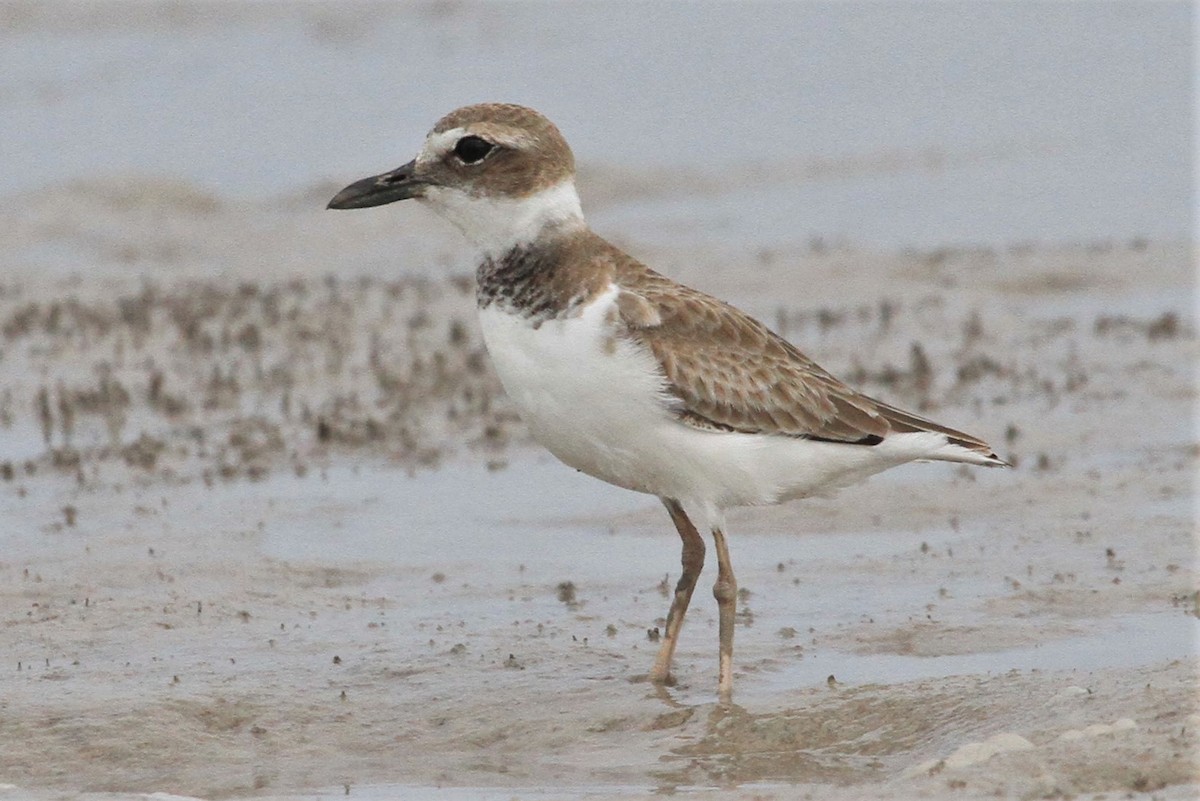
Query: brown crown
[532, 154]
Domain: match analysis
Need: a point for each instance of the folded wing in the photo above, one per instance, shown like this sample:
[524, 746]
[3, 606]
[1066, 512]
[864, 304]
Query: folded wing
[726, 371]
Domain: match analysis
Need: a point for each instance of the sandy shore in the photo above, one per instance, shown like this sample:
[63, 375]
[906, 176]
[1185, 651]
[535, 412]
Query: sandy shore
[273, 530]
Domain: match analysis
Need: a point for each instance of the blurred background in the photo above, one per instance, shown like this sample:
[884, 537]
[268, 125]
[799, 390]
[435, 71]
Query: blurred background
[268, 521]
[879, 124]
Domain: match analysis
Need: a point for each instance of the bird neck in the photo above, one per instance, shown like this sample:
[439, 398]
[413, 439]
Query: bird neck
[546, 279]
[497, 225]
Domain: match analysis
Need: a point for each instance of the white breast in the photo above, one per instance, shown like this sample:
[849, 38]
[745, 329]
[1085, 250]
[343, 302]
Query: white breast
[589, 397]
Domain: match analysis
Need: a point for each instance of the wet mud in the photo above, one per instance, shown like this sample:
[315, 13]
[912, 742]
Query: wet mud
[277, 536]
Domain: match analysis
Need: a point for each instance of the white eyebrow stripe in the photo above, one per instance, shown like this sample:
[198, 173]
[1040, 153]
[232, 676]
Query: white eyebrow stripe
[438, 144]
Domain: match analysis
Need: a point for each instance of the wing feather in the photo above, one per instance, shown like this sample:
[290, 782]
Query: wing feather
[729, 372]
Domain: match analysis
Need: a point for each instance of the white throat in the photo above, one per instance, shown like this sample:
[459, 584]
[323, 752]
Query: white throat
[498, 224]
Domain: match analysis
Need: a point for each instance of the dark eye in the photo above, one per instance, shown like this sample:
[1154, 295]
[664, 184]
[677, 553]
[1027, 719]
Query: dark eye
[472, 149]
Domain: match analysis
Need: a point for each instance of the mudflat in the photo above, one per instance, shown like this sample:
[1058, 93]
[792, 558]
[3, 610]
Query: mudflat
[271, 529]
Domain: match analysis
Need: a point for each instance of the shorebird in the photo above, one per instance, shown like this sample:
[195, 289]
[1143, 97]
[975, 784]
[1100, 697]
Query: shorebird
[631, 377]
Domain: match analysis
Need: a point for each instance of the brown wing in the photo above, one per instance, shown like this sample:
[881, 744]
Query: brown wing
[730, 372]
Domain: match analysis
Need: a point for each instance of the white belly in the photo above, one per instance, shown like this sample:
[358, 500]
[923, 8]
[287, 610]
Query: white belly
[599, 404]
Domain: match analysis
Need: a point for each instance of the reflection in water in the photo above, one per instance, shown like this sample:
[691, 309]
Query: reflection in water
[850, 736]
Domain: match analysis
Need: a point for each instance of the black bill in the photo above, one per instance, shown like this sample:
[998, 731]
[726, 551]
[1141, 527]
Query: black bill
[399, 184]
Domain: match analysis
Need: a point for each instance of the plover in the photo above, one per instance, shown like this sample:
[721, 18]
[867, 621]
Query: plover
[631, 377]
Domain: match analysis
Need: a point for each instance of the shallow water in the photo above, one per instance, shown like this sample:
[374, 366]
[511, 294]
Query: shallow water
[410, 792]
[893, 124]
[537, 522]
[1124, 641]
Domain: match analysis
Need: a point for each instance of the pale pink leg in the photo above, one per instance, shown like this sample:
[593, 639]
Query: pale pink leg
[725, 591]
[693, 563]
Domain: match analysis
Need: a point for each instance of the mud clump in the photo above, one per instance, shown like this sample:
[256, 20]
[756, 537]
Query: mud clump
[234, 379]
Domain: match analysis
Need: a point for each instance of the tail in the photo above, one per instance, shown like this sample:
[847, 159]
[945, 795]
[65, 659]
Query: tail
[959, 447]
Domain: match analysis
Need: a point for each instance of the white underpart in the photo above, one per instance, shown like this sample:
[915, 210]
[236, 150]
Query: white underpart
[600, 406]
[496, 224]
